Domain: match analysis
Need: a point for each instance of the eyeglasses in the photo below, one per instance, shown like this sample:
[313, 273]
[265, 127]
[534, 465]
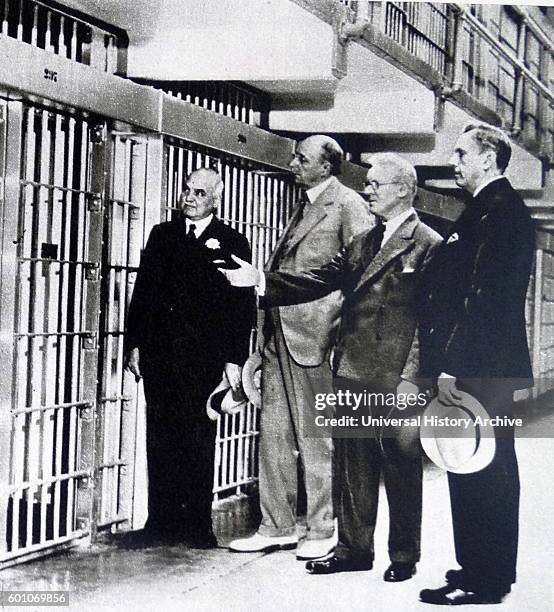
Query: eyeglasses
[376, 184]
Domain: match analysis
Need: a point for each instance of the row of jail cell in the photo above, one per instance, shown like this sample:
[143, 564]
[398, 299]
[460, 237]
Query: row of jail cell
[50, 333]
[50, 329]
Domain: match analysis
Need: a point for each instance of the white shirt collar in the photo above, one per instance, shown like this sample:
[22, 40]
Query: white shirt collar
[314, 192]
[393, 224]
[487, 182]
[200, 225]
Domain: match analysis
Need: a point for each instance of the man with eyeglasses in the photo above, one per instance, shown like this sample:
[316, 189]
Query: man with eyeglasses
[376, 350]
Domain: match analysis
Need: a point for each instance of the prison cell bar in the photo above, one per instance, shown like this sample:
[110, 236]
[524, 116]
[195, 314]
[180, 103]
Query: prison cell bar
[57, 32]
[118, 427]
[41, 327]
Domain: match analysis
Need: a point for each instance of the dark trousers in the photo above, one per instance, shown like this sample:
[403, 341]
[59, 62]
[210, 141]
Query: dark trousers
[485, 508]
[358, 465]
[180, 446]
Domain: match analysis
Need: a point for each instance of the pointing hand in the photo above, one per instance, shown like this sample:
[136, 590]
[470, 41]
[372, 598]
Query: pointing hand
[244, 276]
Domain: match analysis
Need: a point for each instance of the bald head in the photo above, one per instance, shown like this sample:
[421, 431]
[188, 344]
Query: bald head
[316, 158]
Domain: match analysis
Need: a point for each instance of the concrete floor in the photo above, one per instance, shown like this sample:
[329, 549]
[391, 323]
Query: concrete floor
[176, 578]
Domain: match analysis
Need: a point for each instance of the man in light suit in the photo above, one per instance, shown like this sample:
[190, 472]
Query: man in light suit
[377, 348]
[473, 338]
[296, 341]
[185, 327]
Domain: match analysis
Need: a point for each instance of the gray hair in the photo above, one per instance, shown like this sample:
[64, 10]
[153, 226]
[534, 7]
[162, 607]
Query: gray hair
[402, 170]
[217, 183]
[493, 138]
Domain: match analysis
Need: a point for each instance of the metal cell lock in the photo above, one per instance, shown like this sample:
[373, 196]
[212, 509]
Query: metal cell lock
[89, 341]
[92, 272]
[94, 202]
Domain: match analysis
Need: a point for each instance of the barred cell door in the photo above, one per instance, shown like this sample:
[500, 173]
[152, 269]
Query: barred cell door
[120, 465]
[53, 178]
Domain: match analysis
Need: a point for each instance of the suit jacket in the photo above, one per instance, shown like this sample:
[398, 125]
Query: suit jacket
[473, 317]
[377, 341]
[327, 225]
[182, 307]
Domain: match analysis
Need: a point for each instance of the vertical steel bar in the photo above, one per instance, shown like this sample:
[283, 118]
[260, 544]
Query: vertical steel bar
[225, 452]
[116, 190]
[240, 448]
[171, 196]
[89, 349]
[11, 136]
[34, 29]
[20, 21]
[5, 13]
[62, 163]
[69, 355]
[181, 174]
[129, 416]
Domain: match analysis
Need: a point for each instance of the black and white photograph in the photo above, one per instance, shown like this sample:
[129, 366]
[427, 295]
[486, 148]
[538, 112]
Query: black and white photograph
[276, 305]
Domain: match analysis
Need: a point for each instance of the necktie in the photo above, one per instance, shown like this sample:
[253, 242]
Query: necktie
[377, 238]
[301, 206]
[190, 233]
[299, 213]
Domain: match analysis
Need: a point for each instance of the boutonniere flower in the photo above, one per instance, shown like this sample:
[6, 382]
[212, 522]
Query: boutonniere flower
[453, 238]
[213, 243]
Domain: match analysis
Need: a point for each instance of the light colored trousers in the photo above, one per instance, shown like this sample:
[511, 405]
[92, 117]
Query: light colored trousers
[288, 390]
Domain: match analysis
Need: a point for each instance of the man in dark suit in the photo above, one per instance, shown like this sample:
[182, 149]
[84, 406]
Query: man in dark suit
[184, 328]
[473, 338]
[376, 349]
[295, 359]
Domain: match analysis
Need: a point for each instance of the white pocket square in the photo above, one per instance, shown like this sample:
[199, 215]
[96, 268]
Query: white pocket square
[408, 270]
[453, 238]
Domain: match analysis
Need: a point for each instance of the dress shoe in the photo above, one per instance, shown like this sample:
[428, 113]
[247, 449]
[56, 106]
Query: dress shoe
[455, 577]
[453, 596]
[314, 549]
[334, 564]
[398, 572]
[260, 543]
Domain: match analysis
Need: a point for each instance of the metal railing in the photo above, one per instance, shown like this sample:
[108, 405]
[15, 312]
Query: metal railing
[40, 25]
[421, 28]
[509, 81]
[497, 56]
[234, 100]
